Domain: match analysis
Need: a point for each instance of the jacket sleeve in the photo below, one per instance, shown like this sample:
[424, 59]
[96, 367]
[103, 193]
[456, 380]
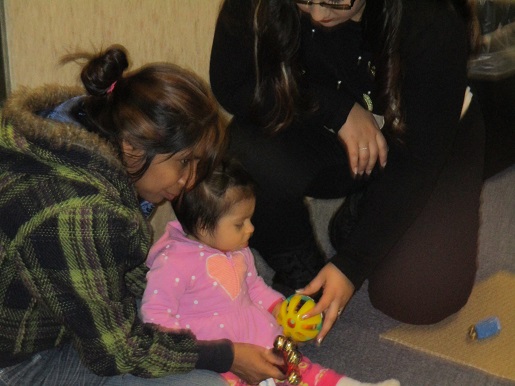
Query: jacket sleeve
[80, 277]
[259, 291]
[434, 52]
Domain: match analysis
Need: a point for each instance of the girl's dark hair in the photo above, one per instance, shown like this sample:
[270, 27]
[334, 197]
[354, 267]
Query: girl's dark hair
[160, 109]
[202, 207]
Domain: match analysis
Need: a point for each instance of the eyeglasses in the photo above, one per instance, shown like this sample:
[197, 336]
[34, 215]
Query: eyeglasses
[334, 4]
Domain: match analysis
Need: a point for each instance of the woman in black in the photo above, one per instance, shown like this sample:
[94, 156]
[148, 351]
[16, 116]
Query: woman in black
[359, 99]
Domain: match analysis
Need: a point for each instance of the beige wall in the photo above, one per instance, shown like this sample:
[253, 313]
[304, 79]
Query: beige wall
[39, 32]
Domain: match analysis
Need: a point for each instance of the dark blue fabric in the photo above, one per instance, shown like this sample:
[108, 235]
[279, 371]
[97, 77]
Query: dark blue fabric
[64, 113]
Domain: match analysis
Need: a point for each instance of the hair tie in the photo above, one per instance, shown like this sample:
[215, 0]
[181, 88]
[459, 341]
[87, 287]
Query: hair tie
[111, 87]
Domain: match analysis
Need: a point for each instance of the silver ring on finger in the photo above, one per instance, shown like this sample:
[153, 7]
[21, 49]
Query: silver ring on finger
[363, 148]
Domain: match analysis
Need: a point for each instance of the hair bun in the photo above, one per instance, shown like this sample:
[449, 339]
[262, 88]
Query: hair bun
[103, 70]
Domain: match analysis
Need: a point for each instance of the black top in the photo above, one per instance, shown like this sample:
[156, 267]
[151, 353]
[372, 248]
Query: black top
[434, 52]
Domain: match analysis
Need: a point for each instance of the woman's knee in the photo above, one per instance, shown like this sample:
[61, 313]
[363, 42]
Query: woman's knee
[421, 299]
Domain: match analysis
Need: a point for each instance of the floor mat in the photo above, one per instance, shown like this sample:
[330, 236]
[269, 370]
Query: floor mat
[449, 338]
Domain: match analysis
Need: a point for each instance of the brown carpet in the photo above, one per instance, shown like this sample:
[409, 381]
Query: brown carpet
[449, 338]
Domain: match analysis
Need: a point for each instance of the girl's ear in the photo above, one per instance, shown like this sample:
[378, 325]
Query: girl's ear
[130, 150]
[131, 156]
[202, 235]
[202, 232]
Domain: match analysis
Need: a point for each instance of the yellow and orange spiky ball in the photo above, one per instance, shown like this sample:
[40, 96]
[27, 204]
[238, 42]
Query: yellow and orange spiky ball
[289, 317]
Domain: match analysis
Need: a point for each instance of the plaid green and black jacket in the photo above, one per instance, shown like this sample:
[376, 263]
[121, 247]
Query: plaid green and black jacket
[73, 242]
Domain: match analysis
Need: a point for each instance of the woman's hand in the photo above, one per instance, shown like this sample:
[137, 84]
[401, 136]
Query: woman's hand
[338, 290]
[364, 141]
[254, 363]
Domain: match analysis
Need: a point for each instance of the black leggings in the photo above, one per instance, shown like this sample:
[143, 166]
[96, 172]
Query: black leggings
[429, 273]
[288, 168]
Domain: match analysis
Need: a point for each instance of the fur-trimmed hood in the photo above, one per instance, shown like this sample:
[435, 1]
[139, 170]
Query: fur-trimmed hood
[20, 112]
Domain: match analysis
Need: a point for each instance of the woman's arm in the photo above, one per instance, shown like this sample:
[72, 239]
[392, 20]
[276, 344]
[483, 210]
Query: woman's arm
[433, 88]
[81, 282]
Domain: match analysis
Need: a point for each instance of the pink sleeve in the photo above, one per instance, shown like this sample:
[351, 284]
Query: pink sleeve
[163, 290]
[259, 291]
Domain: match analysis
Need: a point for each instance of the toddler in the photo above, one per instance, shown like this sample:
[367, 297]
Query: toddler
[202, 275]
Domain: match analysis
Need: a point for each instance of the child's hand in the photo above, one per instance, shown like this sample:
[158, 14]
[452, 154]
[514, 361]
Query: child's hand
[276, 309]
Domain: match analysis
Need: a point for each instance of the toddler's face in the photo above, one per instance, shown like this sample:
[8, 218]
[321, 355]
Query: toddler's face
[234, 229]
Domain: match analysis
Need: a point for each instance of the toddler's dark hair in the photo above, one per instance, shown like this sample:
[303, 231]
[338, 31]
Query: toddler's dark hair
[202, 207]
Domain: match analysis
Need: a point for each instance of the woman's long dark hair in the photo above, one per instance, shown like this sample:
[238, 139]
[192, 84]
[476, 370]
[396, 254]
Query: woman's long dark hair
[384, 31]
[276, 28]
